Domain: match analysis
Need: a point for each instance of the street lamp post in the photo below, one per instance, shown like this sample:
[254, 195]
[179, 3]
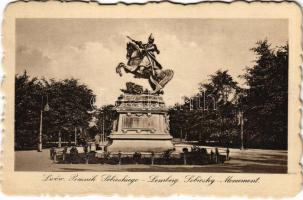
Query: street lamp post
[46, 108]
[40, 131]
[75, 136]
[241, 121]
[204, 108]
[103, 124]
[59, 142]
[214, 101]
[181, 135]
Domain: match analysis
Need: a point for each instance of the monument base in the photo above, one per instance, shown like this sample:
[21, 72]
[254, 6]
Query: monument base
[140, 143]
[142, 125]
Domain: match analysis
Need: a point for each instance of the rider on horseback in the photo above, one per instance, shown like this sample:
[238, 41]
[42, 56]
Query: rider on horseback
[148, 51]
[143, 64]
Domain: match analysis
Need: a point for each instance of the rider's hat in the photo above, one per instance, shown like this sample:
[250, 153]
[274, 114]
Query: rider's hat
[151, 37]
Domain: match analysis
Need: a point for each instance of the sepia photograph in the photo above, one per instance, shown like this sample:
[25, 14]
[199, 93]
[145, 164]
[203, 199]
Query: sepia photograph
[182, 95]
[152, 100]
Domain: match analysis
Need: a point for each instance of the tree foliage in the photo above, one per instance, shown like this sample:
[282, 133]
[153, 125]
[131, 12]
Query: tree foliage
[212, 114]
[267, 97]
[27, 109]
[209, 115]
[105, 118]
[69, 103]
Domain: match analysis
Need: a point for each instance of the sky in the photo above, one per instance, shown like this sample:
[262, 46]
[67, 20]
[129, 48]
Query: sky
[90, 50]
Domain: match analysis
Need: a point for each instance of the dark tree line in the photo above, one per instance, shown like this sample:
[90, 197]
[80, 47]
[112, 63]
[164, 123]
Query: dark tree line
[266, 101]
[69, 109]
[105, 117]
[212, 115]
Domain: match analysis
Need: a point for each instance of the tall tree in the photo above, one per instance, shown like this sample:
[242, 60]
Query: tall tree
[210, 114]
[222, 91]
[28, 103]
[221, 86]
[105, 118]
[69, 103]
[266, 99]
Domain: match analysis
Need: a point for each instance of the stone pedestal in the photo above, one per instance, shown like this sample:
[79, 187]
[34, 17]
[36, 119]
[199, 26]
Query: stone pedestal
[142, 125]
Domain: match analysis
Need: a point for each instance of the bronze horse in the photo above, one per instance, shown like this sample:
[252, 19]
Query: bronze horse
[141, 66]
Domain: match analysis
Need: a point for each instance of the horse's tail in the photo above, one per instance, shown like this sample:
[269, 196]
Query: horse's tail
[159, 83]
[169, 74]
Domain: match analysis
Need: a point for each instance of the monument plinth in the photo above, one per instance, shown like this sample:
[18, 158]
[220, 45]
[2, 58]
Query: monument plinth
[142, 125]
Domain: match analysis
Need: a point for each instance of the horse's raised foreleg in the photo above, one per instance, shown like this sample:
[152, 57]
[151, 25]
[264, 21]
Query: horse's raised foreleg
[118, 68]
[127, 68]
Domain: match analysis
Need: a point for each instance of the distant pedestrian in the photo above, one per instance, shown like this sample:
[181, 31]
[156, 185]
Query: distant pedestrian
[227, 153]
[64, 152]
[97, 141]
[74, 154]
[217, 155]
[211, 155]
[85, 148]
[51, 153]
[55, 155]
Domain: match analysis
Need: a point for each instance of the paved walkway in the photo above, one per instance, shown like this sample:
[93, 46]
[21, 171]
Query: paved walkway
[247, 161]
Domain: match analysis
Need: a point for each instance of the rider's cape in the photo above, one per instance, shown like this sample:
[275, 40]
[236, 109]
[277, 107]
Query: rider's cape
[151, 56]
[148, 54]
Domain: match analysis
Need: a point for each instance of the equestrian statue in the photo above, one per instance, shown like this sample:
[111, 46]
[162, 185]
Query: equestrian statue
[142, 63]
